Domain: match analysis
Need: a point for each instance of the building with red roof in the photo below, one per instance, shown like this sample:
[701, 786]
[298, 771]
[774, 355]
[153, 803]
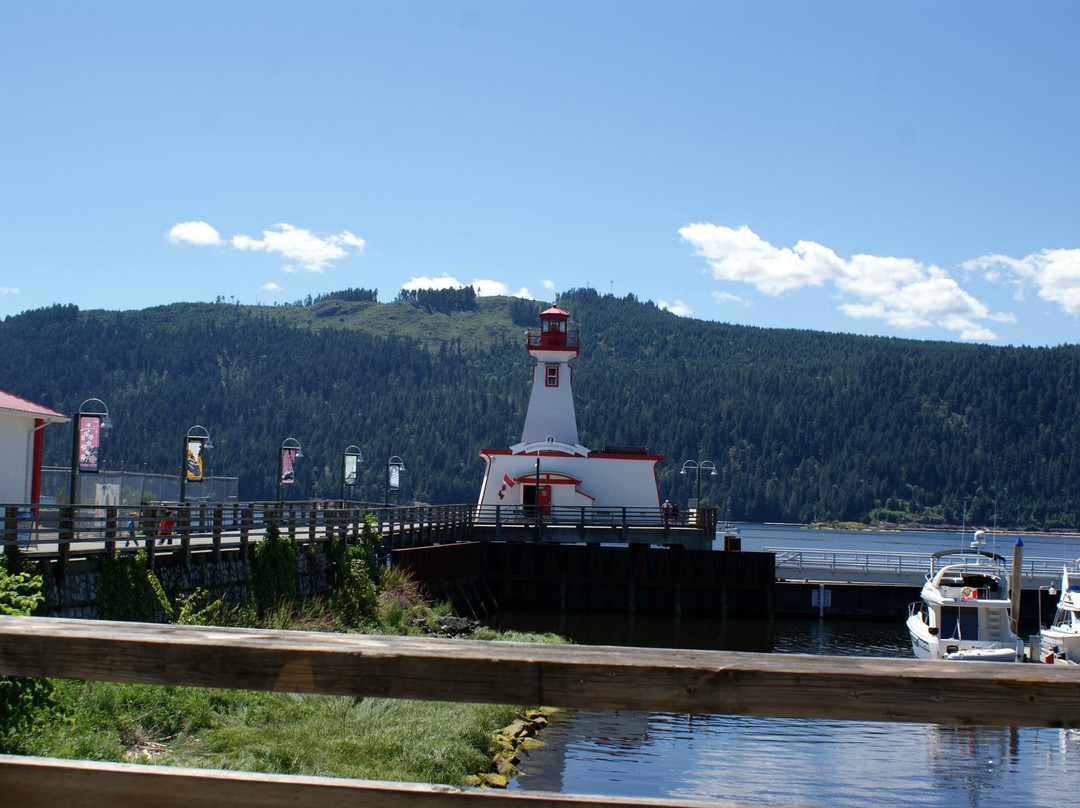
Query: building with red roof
[21, 425]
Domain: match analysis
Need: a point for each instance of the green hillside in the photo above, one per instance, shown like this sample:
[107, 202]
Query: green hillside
[801, 425]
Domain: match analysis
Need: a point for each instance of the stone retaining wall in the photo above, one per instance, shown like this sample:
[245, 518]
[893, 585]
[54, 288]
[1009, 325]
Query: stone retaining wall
[74, 593]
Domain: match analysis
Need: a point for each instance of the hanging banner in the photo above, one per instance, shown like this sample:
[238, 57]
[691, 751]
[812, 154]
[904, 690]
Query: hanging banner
[351, 469]
[395, 475]
[89, 442]
[193, 466]
[288, 456]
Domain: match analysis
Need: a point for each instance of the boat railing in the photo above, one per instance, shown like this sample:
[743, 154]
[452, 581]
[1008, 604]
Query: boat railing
[866, 562]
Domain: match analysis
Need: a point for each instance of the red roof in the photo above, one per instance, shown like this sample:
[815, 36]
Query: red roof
[554, 311]
[20, 406]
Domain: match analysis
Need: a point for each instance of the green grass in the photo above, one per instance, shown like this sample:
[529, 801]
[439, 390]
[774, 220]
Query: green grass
[335, 736]
[381, 739]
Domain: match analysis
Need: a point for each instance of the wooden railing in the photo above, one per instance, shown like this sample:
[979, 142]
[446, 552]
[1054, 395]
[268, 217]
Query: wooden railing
[772, 685]
[59, 531]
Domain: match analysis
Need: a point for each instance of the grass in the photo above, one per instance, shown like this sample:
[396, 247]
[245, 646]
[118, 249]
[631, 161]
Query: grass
[381, 739]
[335, 736]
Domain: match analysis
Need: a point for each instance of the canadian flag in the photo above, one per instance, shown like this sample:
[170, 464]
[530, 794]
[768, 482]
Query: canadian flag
[508, 482]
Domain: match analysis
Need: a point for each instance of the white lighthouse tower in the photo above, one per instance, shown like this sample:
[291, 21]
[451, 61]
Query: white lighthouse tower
[549, 467]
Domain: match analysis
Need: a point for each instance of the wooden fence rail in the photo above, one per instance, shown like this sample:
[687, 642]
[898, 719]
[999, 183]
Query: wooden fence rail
[58, 531]
[776, 685]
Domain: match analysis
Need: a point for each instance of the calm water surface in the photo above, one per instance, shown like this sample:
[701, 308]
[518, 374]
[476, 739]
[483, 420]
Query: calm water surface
[794, 761]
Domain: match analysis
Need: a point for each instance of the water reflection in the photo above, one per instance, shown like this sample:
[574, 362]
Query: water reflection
[787, 761]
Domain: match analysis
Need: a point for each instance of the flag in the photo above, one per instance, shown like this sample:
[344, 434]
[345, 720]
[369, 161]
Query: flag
[508, 482]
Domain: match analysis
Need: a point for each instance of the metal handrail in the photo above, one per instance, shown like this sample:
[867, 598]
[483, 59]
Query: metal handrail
[897, 563]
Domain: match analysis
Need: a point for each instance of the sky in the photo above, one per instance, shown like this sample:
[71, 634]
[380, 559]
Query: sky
[905, 169]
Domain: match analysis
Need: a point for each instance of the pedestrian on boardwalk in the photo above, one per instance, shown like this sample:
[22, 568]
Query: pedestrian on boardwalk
[165, 527]
[130, 538]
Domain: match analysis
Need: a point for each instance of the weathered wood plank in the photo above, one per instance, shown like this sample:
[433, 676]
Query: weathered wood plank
[775, 685]
[30, 782]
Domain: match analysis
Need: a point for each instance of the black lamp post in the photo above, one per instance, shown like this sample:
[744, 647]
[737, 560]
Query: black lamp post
[395, 466]
[290, 452]
[350, 468]
[697, 468]
[196, 441]
[87, 423]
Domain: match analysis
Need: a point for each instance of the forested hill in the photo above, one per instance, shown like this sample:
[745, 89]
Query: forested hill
[801, 425]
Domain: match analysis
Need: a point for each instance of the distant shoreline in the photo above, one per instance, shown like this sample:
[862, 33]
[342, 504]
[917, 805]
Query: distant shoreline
[915, 526]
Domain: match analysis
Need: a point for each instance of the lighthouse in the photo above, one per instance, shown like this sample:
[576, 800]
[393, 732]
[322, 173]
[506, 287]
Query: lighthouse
[549, 467]
[551, 403]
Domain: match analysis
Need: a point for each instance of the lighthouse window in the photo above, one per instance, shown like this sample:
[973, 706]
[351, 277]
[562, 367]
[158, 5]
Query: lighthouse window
[552, 375]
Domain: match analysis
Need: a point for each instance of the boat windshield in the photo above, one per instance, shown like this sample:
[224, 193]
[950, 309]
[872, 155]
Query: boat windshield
[959, 623]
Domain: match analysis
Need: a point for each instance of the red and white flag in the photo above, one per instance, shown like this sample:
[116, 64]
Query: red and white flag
[508, 482]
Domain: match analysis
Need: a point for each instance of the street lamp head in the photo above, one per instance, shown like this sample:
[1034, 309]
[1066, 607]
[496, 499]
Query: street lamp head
[201, 433]
[95, 406]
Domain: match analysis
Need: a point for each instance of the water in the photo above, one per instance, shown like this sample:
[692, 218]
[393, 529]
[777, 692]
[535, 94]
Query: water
[795, 761]
[1065, 548]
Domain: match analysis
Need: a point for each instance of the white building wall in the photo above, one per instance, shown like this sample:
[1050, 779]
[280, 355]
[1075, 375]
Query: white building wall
[611, 482]
[551, 409]
[16, 458]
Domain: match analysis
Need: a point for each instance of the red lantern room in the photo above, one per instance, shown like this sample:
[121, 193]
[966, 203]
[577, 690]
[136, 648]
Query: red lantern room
[553, 333]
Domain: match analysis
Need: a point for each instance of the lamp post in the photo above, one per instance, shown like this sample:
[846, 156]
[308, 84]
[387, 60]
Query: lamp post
[698, 467]
[1051, 590]
[290, 453]
[87, 424]
[394, 467]
[196, 441]
[350, 467]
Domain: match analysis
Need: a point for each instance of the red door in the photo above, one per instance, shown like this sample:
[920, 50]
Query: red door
[545, 499]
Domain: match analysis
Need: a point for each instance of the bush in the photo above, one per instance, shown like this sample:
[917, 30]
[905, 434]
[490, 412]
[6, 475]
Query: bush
[25, 703]
[273, 568]
[128, 589]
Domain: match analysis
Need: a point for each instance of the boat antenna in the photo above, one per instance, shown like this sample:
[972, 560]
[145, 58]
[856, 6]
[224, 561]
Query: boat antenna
[995, 527]
[963, 525]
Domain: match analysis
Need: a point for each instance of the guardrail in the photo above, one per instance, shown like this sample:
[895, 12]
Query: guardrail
[606, 678]
[914, 565]
[54, 531]
[583, 516]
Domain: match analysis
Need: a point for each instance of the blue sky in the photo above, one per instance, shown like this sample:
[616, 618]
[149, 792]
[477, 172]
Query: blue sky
[905, 169]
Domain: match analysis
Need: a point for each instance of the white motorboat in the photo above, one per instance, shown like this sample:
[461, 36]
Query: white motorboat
[964, 610]
[1060, 642]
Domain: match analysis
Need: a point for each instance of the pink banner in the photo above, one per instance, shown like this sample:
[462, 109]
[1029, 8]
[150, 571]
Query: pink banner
[287, 458]
[89, 442]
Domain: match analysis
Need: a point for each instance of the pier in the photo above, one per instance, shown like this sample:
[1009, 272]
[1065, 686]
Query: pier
[557, 558]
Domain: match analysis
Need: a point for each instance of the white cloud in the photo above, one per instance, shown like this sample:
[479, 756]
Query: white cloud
[9, 290]
[902, 292]
[1054, 274]
[198, 233]
[270, 287]
[483, 286]
[489, 288]
[311, 252]
[549, 285]
[727, 297]
[304, 248]
[678, 307]
[442, 282]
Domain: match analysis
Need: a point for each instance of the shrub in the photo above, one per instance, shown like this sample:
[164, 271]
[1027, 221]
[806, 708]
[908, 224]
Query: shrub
[273, 568]
[127, 589]
[25, 703]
